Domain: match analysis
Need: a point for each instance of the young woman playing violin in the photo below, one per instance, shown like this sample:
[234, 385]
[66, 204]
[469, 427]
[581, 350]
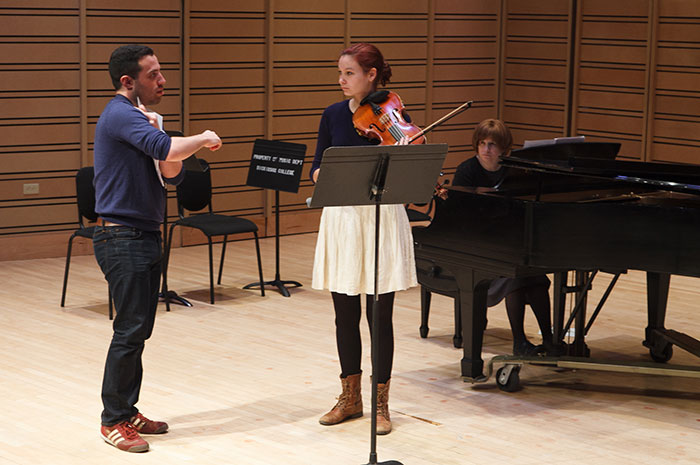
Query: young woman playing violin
[344, 258]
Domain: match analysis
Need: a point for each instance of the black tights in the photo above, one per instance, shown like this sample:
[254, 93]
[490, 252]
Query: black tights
[347, 331]
[538, 298]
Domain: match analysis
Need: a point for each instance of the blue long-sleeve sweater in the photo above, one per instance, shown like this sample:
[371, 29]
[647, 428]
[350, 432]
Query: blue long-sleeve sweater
[127, 187]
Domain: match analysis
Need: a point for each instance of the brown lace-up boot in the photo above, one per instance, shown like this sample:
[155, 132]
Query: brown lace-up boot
[349, 402]
[383, 420]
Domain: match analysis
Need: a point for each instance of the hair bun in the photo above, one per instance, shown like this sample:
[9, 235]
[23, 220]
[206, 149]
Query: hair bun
[386, 74]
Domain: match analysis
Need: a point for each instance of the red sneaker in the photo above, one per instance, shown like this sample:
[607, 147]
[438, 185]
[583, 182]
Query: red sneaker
[124, 437]
[145, 426]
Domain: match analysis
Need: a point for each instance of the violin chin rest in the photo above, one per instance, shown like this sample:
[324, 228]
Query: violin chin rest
[376, 97]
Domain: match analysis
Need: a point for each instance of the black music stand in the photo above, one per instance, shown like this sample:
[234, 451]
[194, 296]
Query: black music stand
[276, 165]
[166, 295]
[378, 175]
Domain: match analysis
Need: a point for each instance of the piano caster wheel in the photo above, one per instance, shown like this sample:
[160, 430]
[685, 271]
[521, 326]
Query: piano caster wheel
[457, 342]
[663, 355]
[508, 378]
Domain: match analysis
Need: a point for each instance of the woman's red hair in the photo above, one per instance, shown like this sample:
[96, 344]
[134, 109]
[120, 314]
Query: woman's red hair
[368, 56]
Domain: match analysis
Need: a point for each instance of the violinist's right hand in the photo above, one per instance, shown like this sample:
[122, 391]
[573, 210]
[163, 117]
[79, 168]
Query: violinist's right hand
[440, 190]
[314, 176]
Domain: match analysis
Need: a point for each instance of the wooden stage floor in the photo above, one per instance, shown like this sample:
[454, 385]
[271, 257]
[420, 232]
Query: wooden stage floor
[244, 381]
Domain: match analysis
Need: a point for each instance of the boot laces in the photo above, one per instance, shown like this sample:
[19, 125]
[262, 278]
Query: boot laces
[342, 399]
[382, 403]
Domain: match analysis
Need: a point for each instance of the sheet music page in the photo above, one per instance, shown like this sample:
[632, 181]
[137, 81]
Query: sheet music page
[159, 118]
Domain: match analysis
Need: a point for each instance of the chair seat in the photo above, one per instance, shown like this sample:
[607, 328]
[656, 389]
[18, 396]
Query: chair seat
[415, 215]
[85, 232]
[213, 224]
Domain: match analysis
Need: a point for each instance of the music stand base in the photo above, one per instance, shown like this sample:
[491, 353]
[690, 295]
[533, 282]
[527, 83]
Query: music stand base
[389, 462]
[279, 284]
[174, 298]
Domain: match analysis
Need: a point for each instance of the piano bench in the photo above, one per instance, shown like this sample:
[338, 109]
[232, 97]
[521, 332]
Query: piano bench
[425, 296]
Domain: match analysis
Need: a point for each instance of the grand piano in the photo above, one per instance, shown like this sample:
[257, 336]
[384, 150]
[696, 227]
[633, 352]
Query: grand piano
[561, 208]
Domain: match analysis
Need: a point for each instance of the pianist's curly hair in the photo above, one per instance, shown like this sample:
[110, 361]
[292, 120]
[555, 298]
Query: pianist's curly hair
[496, 130]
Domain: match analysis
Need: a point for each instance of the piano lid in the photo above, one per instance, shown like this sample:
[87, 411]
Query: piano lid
[596, 160]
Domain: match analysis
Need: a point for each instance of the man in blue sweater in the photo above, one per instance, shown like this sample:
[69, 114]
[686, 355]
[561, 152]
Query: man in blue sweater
[132, 159]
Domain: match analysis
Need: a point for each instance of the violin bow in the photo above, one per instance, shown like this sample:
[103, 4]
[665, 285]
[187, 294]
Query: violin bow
[451, 114]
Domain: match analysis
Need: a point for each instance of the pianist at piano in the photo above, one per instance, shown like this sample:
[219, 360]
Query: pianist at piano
[491, 140]
[548, 215]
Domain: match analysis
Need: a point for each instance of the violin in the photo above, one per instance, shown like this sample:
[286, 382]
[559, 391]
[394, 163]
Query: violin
[381, 116]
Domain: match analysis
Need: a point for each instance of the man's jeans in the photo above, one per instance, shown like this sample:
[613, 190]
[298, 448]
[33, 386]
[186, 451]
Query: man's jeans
[131, 262]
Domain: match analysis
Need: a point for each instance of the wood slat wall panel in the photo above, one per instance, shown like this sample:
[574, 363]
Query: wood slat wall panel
[40, 118]
[465, 60]
[633, 79]
[535, 77]
[134, 7]
[55, 80]
[227, 95]
[395, 7]
[23, 160]
[619, 8]
[42, 4]
[674, 107]
[41, 125]
[11, 189]
[310, 6]
[613, 61]
[305, 46]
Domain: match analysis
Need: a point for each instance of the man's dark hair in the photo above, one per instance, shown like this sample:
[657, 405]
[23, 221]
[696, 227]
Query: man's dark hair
[125, 60]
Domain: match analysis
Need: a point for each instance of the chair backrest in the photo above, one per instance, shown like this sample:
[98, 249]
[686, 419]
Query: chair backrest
[194, 192]
[85, 191]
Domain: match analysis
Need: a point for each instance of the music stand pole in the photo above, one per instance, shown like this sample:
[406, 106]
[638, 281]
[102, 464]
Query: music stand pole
[165, 294]
[277, 282]
[377, 191]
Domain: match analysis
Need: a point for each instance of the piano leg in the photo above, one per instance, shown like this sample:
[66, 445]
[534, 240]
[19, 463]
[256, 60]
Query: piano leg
[424, 311]
[580, 349]
[559, 305]
[657, 298]
[473, 308]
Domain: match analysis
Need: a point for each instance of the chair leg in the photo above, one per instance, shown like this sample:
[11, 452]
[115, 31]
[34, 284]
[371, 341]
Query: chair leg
[221, 264]
[65, 273]
[257, 251]
[424, 311]
[165, 268]
[211, 273]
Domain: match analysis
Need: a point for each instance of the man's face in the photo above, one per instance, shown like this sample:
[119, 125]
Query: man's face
[148, 85]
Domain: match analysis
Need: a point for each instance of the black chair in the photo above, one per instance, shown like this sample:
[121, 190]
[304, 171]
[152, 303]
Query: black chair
[194, 194]
[85, 191]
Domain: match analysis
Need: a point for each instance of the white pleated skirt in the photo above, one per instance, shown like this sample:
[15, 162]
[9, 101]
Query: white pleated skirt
[344, 258]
